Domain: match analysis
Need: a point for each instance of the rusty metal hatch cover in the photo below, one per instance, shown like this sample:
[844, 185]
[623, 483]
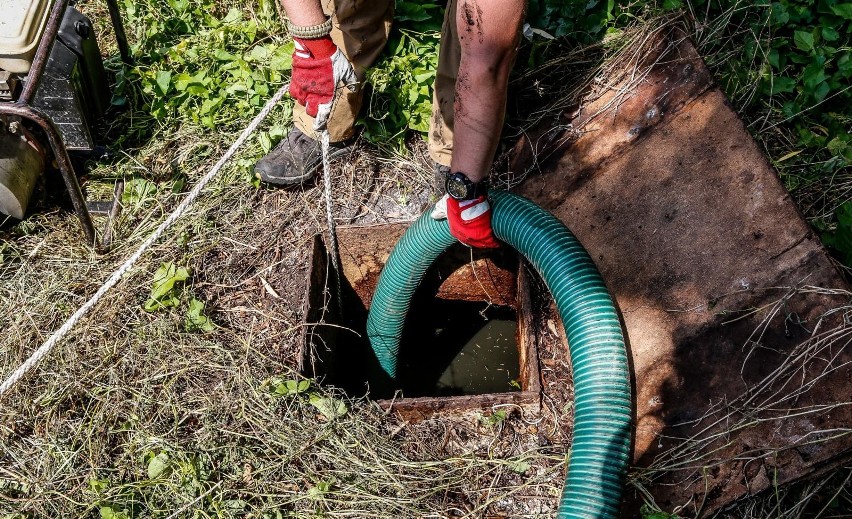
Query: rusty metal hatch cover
[742, 377]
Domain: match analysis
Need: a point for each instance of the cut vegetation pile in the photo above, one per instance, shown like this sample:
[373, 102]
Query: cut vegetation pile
[176, 397]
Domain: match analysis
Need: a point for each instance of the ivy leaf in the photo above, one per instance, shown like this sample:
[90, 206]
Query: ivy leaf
[282, 58]
[234, 15]
[821, 91]
[780, 15]
[774, 59]
[330, 408]
[830, 33]
[164, 79]
[259, 53]
[841, 238]
[158, 465]
[223, 55]
[844, 215]
[782, 84]
[182, 81]
[804, 40]
[813, 75]
[843, 10]
[179, 5]
[844, 65]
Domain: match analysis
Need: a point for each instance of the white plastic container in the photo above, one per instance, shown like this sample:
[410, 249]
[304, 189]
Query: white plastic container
[21, 25]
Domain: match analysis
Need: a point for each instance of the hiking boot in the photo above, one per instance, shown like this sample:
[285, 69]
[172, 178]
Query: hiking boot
[296, 159]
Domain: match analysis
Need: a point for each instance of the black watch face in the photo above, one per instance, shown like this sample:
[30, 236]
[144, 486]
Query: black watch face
[457, 186]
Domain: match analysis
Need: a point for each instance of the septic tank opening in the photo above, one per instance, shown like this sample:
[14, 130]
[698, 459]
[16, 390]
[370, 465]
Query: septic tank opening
[455, 347]
[467, 340]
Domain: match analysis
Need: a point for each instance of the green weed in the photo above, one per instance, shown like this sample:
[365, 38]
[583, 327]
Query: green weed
[582, 20]
[840, 237]
[205, 68]
[164, 289]
[328, 407]
[494, 419]
[402, 79]
[648, 512]
[287, 387]
[195, 320]
[167, 291]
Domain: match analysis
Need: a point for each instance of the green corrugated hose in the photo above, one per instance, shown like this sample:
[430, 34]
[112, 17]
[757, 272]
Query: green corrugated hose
[602, 406]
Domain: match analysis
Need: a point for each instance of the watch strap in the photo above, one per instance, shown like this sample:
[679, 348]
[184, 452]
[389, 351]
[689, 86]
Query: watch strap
[479, 188]
[474, 189]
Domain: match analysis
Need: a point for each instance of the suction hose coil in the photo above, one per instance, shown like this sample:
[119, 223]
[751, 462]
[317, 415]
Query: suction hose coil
[602, 397]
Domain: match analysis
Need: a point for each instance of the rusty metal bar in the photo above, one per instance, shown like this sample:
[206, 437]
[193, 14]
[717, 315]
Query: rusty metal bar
[120, 35]
[60, 153]
[40, 59]
[114, 211]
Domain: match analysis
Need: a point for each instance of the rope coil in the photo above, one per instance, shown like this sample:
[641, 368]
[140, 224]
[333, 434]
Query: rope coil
[116, 276]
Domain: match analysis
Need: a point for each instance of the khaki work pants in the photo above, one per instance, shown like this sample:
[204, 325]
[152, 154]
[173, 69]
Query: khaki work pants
[360, 29]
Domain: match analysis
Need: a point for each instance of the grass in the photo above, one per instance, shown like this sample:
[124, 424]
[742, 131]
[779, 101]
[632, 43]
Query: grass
[777, 397]
[134, 415]
[137, 414]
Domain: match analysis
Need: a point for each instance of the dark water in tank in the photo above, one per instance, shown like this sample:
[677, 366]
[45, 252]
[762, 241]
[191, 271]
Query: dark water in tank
[453, 347]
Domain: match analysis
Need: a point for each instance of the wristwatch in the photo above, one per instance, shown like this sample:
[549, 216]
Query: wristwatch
[461, 188]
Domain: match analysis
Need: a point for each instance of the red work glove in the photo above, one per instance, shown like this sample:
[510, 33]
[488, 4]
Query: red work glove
[470, 220]
[318, 67]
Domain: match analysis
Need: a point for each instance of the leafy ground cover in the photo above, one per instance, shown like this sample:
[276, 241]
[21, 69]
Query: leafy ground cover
[178, 397]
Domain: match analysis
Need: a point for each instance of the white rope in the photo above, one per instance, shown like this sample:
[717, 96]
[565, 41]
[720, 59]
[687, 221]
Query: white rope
[63, 330]
[332, 227]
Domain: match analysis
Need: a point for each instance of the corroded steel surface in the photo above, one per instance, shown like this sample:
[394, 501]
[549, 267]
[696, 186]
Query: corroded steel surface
[697, 239]
[365, 249]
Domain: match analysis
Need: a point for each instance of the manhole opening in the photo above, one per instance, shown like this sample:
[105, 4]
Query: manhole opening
[457, 347]
[467, 341]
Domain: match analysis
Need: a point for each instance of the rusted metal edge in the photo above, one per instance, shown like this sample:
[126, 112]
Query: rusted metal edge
[63, 161]
[527, 338]
[421, 408]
